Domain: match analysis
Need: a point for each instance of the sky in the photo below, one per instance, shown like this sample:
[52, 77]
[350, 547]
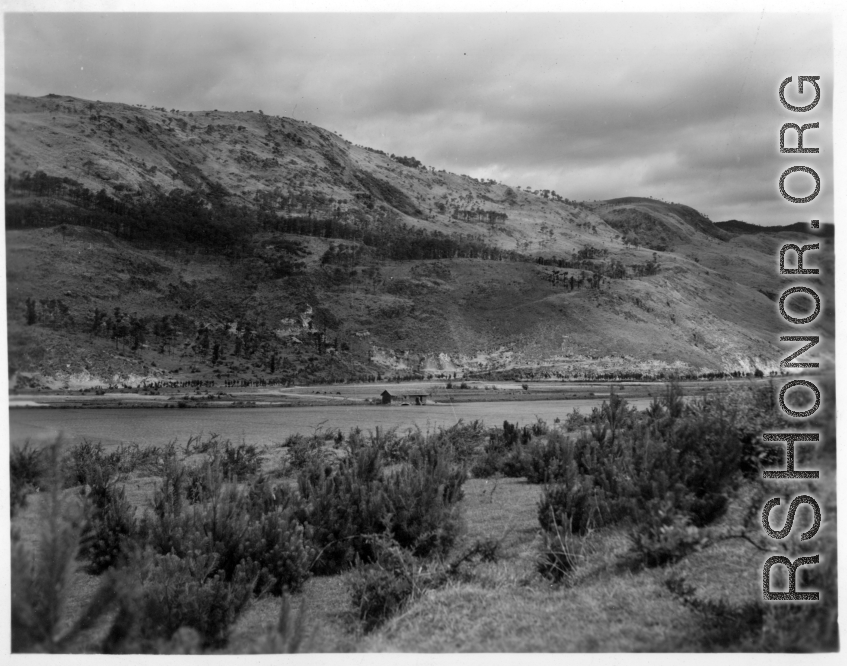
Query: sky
[682, 107]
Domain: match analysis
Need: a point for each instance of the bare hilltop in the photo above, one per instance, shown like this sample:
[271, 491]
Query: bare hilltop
[148, 244]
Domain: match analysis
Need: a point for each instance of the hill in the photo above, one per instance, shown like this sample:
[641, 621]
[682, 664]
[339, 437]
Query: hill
[656, 224]
[228, 247]
[738, 227]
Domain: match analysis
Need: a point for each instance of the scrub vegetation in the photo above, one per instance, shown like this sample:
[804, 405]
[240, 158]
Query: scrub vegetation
[617, 530]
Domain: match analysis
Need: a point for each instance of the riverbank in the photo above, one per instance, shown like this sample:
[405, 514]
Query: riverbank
[437, 393]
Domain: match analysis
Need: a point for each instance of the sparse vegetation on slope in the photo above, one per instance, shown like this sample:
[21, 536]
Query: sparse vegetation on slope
[240, 248]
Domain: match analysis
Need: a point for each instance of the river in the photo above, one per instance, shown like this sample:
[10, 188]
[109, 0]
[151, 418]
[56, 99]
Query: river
[270, 425]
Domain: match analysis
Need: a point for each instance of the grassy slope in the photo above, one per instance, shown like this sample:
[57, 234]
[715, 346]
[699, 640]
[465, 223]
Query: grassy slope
[463, 314]
[468, 314]
[504, 605]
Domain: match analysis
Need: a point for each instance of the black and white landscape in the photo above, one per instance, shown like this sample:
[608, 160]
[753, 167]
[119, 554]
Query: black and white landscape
[411, 332]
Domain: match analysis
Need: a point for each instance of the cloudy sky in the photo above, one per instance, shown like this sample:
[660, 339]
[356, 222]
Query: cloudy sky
[678, 106]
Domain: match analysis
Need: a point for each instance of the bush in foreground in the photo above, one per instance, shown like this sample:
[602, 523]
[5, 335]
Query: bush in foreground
[40, 583]
[26, 467]
[237, 526]
[161, 594]
[379, 590]
[112, 524]
[416, 504]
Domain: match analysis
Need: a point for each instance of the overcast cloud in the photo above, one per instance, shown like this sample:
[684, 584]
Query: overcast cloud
[678, 106]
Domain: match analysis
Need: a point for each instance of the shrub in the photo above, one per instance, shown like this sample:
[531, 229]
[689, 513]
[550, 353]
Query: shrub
[393, 448]
[464, 440]
[26, 468]
[574, 420]
[160, 594]
[415, 504]
[540, 427]
[281, 546]
[549, 461]
[756, 455]
[700, 456]
[575, 506]
[213, 527]
[489, 464]
[303, 452]
[131, 457]
[422, 498]
[394, 578]
[87, 459]
[200, 481]
[379, 590]
[237, 461]
[224, 462]
[557, 558]
[344, 505]
[157, 530]
[664, 536]
[615, 415]
[112, 524]
[667, 471]
[501, 455]
[511, 434]
[240, 461]
[40, 584]
[514, 464]
[259, 525]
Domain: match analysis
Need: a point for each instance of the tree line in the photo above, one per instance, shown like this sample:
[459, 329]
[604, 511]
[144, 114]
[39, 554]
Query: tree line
[393, 240]
[178, 219]
[184, 220]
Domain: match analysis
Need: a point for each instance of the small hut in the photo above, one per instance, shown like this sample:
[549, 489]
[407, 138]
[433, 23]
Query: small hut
[388, 398]
[413, 398]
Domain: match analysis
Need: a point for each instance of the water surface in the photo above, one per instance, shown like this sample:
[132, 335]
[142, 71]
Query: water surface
[270, 425]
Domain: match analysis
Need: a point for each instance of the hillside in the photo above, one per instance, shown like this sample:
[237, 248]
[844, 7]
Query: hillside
[738, 227]
[657, 224]
[237, 246]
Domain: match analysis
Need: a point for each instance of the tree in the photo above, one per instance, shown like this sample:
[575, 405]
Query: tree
[137, 331]
[31, 314]
[119, 327]
[166, 331]
[203, 340]
[97, 320]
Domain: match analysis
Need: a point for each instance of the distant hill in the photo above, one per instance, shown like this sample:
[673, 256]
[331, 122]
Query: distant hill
[827, 230]
[656, 224]
[238, 246]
